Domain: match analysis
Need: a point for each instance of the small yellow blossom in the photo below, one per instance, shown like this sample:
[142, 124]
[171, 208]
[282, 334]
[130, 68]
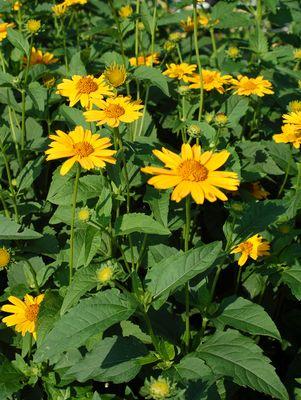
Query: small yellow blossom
[4, 257]
[125, 11]
[253, 248]
[84, 214]
[33, 25]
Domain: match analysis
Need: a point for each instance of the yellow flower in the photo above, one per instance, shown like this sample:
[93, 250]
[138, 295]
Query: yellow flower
[33, 25]
[114, 110]
[258, 191]
[245, 86]
[84, 89]
[24, 313]
[75, 2]
[293, 118]
[84, 214]
[180, 71]
[4, 257]
[187, 25]
[176, 36]
[115, 74]
[297, 54]
[3, 29]
[37, 57]
[204, 20]
[80, 145]
[289, 134]
[158, 389]
[17, 5]
[105, 274]
[221, 119]
[59, 9]
[233, 52]
[144, 60]
[254, 247]
[193, 172]
[211, 80]
[294, 106]
[125, 11]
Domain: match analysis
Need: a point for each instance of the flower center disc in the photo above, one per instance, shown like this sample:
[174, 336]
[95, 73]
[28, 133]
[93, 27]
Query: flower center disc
[83, 149]
[31, 312]
[86, 85]
[114, 111]
[191, 170]
[250, 85]
[247, 247]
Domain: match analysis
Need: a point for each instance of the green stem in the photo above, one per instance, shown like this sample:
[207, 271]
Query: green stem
[179, 52]
[197, 53]
[186, 247]
[144, 111]
[153, 31]
[127, 181]
[12, 127]
[151, 331]
[285, 178]
[6, 212]
[211, 30]
[238, 279]
[74, 198]
[214, 283]
[259, 14]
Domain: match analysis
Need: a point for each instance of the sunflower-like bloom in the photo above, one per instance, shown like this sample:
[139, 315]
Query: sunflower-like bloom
[253, 248]
[245, 86]
[3, 29]
[294, 106]
[181, 71]
[84, 89]
[290, 133]
[204, 20]
[59, 9]
[144, 60]
[211, 80]
[258, 191]
[75, 2]
[80, 145]
[125, 11]
[193, 172]
[293, 118]
[24, 313]
[37, 57]
[187, 25]
[115, 75]
[114, 110]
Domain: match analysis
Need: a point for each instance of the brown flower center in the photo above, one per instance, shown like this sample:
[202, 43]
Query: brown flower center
[191, 170]
[86, 85]
[114, 111]
[32, 312]
[250, 85]
[83, 149]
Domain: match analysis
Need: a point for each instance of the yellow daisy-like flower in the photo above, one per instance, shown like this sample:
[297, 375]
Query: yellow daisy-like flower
[258, 191]
[3, 29]
[125, 11]
[105, 274]
[211, 80]
[204, 20]
[115, 110]
[144, 60]
[290, 133]
[193, 172]
[297, 54]
[24, 313]
[253, 248]
[181, 71]
[59, 9]
[293, 118]
[33, 25]
[294, 106]
[84, 89]
[115, 75]
[80, 145]
[233, 52]
[75, 2]
[245, 86]
[187, 25]
[84, 214]
[4, 257]
[37, 57]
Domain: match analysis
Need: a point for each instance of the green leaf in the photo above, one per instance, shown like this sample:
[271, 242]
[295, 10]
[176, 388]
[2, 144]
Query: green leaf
[73, 116]
[191, 367]
[49, 313]
[131, 329]
[6, 79]
[235, 356]
[29, 173]
[173, 272]
[249, 317]
[138, 222]
[159, 204]
[76, 65]
[10, 380]
[83, 280]
[38, 95]
[153, 77]
[18, 40]
[86, 319]
[258, 42]
[112, 359]
[235, 108]
[10, 230]
[292, 278]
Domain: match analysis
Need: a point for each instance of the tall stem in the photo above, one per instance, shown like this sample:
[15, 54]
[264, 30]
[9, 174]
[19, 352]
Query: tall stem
[65, 45]
[211, 30]
[238, 279]
[153, 33]
[186, 247]
[74, 198]
[197, 53]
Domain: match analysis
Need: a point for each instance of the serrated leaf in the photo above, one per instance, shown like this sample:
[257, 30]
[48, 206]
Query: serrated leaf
[18, 40]
[292, 278]
[131, 329]
[48, 314]
[86, 319]
[10, 380]
[235, 356]
[10, 230]
[244, 315]
[153, 76]
[174, 271]
[138, 222]
[112, 359]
